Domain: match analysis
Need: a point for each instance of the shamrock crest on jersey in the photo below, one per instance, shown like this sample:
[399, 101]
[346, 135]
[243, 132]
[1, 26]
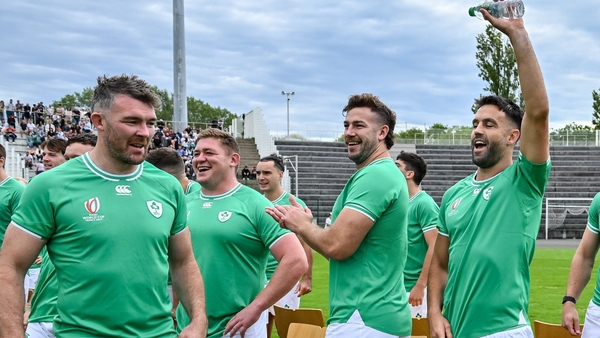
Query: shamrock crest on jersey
[155, 208]
[224, 215]
[487, 193]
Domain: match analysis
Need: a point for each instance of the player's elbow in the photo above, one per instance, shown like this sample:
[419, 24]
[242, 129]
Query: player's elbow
[340, 252]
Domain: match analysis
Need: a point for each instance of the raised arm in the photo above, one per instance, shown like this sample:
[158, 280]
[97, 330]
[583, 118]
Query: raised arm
[19, 251]
[535, 128]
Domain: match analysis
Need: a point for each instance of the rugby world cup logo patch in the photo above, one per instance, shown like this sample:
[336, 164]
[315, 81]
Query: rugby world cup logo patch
[92, 205]
[454, 206]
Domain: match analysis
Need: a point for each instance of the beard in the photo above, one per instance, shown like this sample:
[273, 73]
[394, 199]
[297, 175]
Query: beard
[367, 147]
[119, 151]
[492, 155]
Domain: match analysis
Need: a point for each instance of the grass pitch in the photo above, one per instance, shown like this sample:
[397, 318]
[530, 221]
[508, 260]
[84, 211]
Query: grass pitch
[549, 274]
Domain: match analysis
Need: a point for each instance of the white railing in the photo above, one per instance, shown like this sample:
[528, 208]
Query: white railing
[14, 164]
[254, 126]
[575, 206]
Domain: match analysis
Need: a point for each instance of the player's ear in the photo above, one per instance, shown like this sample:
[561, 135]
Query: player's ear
[98, 119]
[235, 160]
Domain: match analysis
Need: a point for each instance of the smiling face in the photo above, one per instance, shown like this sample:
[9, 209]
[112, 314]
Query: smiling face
[213, 163]
[268, 176]
[127, 129]
[362, 134]
[492, 134]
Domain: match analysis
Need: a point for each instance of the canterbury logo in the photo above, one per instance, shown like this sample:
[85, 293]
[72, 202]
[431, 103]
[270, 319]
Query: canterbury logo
[122, 190]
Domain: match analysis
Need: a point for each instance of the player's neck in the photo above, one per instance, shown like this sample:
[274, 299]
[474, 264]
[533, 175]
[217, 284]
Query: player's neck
[184, 181]
[274, 194]
[220, 188]
[103, 160]
[487, 173]
[413, 188]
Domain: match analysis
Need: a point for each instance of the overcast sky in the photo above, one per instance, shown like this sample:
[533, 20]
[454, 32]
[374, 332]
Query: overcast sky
[417, 55]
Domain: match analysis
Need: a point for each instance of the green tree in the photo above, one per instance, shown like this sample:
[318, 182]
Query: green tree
[498, 65]
[596, 107]
[410, 133]
[83, 99]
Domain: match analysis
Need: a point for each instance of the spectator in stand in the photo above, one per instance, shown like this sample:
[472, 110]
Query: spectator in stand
[30, 126]
[23, 128]
[60, 111]
[253, 173]
[51, 133]
[68, 115]
[2, 107]
[55, 119]
[38, 113]
[9, 133]
[27, 112]
[245, 174]
[76, 116]
[19, 109]
[87, 126]
[11, 118]
[50, 111]
[10, 106]
[60, 133]
[28, 160]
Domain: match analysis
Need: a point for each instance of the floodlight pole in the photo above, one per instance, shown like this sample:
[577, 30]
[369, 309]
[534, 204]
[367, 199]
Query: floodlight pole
[288, 111]
[180, 117]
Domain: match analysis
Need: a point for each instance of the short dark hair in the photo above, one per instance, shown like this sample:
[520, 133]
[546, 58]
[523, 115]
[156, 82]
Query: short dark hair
[129, 85]
[57, 145]
[414, 163]
[87, 139]
[277, 161]
[512, 110]
[385, 115]
[168, 160]
[226, 140]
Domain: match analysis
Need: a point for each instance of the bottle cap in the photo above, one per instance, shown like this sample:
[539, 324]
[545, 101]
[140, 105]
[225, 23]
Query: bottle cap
[472, 11]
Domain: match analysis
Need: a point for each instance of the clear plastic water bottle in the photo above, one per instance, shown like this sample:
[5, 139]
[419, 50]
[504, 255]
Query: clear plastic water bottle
[505, 9]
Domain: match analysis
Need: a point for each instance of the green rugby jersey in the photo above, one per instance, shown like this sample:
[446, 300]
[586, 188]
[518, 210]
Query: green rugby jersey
[43, 303]
[371, 280]
[492, 226]
[284, 199]
[193, 187]
[108, 238]
[422, 217]
[231, 235]
[10, 194]
[594, 224]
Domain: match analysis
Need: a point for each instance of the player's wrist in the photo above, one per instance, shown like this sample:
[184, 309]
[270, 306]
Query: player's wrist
[569, 300]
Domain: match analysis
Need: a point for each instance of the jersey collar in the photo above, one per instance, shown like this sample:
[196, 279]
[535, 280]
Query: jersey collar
[108, 176]
[222, 196]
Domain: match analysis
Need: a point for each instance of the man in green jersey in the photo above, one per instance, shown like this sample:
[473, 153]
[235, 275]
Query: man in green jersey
[41, 311]
[10, 195]
[232, 236]
[422, 231]
[581, 270]
[113, 225]
[269, 173]
[489, 221]
[366, 243]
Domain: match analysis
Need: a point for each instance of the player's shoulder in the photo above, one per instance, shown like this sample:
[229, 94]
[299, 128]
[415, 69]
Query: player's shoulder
[465, 183]
[160, 177]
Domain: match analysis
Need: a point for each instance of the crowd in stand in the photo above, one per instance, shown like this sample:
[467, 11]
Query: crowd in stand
[38, 123]
[182, 142]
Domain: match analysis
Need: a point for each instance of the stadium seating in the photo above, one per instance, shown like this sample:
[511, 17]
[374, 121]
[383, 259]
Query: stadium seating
[547, 330]
[575, 174]
[298, 330]
[284, 317]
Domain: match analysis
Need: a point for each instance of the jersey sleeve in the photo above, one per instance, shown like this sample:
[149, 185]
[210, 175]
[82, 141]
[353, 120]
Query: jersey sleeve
[532, 179]
[16, 196]
[441, 221]
[180, 219]
[372, 199]
[34, 212]
[428, 214]
[594, 214]
[269, 230]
